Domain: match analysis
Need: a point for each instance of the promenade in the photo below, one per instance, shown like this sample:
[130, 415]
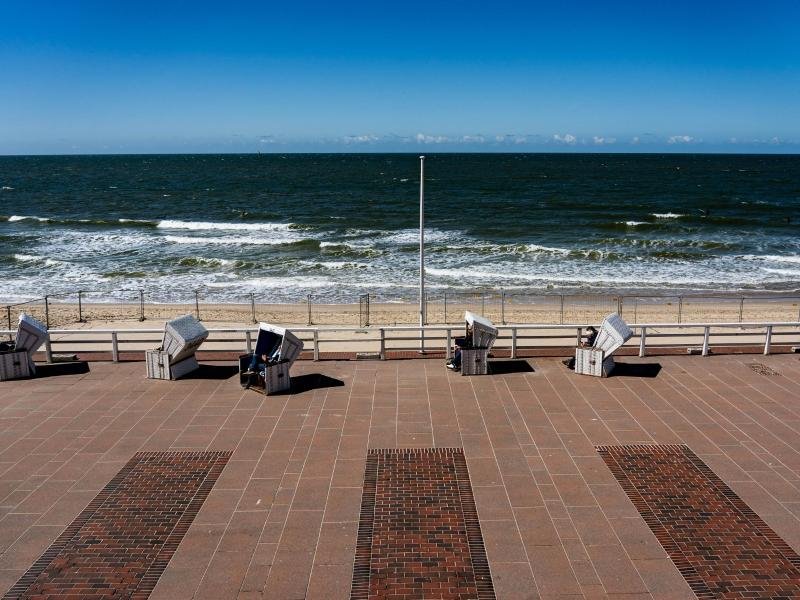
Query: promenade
[280, 517]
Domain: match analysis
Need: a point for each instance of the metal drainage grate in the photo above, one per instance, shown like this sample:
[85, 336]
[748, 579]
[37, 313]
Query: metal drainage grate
[763, 369]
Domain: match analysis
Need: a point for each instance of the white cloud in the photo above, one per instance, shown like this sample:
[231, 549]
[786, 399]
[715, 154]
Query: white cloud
[431, 139]
[680, 139]
[599, 141]
[360, 139]
[565, 139]
[473, 139]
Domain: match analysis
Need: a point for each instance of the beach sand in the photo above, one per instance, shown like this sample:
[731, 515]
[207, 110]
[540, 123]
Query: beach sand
[547, 310]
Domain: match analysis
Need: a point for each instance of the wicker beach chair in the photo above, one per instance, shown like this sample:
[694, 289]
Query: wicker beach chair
[16, 360]
[598, 360]
[267, 369]
[175, 357]
[481, 336]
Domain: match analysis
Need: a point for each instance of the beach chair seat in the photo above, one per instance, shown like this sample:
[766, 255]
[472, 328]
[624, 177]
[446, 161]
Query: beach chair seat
[599, 360]
[276, 350]
[175, 357]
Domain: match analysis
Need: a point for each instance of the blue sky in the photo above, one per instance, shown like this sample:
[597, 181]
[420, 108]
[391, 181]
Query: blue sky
[89, 77]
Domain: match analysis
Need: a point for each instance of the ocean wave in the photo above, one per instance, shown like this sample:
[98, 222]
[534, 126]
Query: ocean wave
[217, 226]
[6, 188]
[199, 261]
[334, 264]
[15, 218]
[278, 282]
[32, 258]
[240, 241]
[668, 215]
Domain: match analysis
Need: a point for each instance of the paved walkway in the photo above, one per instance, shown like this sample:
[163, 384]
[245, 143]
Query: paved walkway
[282, 519]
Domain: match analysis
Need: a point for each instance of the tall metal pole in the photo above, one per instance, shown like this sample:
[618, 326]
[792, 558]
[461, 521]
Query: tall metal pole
[422, 251]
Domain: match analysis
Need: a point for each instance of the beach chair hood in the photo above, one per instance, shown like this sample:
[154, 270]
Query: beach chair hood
[31, 334]
[272, 337]
[614, 332]
[484, 333]
[182, 337]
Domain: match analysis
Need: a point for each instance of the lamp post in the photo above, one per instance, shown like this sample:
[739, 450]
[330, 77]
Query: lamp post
[422, 252]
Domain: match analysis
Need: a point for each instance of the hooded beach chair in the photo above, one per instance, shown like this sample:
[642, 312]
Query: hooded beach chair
[481, 335]
[598, 359]
[266, 370]
[175, 357]
[16, 360]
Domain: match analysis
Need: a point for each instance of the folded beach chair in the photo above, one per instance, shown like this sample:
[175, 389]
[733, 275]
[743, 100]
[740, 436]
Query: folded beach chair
[475, 353]
[598, 359]
[175, 357]
[267, 369]
[16, 360]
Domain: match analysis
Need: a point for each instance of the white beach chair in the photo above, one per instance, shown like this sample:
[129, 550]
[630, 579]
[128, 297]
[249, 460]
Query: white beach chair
[598, 360]
[17, 361]
[175, 357]
[474, 357]
[282, 348]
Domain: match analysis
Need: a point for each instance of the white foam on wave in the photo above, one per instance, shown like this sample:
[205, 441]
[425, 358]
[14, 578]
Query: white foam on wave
[216, 226]
[334, 264]
[6, 188]
[229, 241]
[633, 223]
[668, 215]
[32, 258]
[14, 218]
[142, 221]
[280, 283]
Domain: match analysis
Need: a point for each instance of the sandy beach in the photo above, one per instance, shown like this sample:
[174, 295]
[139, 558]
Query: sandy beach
[547, 310]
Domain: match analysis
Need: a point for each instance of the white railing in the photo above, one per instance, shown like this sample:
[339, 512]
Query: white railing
[439, 338]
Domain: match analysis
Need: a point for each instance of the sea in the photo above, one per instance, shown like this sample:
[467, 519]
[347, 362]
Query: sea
[340, 225]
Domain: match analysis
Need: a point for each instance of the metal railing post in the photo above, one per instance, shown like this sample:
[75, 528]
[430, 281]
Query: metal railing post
[8, 316]
[706, 334]
[448, 352]
[253, 306]
[47, 312]
[141, 305]
[680, 309]
[503, 306]
[316, 344]
[445, 309]
[308, 300]
[578, 337]
[642, 341]
[197, 304]
[741, 308]
[383, 343]
[248, 338]
[48, 351]
[114, 347]
[619, 305]
[768, 340]
[514, 343]
[80, 307]
[562, 309]
[483, 304]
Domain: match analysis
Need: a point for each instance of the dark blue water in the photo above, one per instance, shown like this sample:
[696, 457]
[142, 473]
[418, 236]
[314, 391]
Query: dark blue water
[338, 225]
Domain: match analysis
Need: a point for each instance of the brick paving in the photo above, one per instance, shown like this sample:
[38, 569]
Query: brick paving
[282, 520]
[418, 536]
[722, 548]
[119, 545]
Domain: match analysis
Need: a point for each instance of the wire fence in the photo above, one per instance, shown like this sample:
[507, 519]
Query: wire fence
[443, 308]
